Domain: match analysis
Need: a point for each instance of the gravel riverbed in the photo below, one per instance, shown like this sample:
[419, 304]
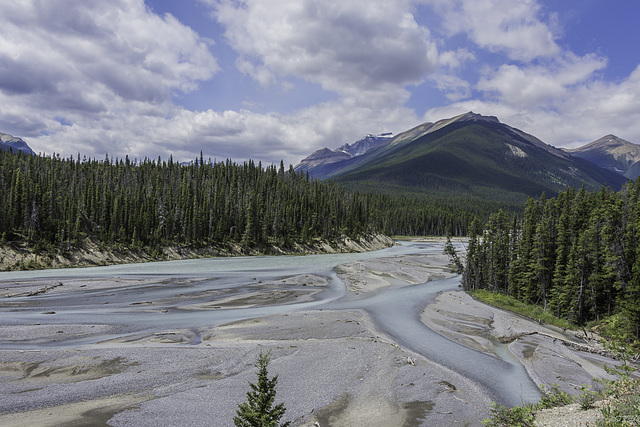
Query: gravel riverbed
[335, 367]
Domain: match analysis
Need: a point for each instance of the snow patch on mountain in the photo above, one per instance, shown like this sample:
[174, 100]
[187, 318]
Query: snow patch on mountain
[363, 145]
[325, 156]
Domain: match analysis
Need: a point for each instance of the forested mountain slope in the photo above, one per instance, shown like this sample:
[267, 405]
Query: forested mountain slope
[476, 157]
[468, 159]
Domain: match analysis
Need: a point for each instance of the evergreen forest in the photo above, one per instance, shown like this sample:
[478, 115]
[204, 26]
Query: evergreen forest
[52, 203]
[576, 255]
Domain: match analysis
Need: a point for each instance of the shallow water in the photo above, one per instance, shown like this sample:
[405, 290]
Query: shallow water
[397, 313]
[395, 310]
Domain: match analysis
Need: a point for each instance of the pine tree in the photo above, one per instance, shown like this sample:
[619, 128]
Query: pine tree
[563, 245]
[520, 275]
[455, 262]
[258, 410]
[471, 275]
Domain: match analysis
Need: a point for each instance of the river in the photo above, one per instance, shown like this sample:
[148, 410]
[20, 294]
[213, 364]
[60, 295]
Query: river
[396, 310]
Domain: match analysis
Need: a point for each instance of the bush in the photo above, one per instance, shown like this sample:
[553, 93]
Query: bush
[619, 329]
[587, 397]
[553, 397]
[524, 416]
[518, 416]
[621, 408]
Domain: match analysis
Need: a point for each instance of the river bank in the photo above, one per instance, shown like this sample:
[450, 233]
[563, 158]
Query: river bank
[335, 366]
[90, 252]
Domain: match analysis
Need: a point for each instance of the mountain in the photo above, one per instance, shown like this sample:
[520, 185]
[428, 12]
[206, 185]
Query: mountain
[467, 157]
[8, 142]
[612, 153]
[328, 160]
[363, 145]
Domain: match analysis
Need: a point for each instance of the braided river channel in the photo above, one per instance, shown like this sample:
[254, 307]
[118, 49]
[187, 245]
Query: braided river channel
[396, 310]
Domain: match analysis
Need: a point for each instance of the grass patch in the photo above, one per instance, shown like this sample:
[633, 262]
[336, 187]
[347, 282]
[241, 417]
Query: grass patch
[509, 303]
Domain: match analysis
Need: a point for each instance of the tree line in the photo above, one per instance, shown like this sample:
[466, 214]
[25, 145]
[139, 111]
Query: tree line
[52, 202]
[577, 255]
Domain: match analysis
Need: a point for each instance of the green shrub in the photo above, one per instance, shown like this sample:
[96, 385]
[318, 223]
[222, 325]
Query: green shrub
[507, 302]
[518, 416]
[618, 329]
[621, 408]
[553, 397]
[587, 397]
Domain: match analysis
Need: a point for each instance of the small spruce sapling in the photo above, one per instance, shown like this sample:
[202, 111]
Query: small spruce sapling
[258, 410]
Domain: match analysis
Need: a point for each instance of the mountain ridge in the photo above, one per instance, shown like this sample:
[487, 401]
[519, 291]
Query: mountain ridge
[326, 158]
[344, 163]
[10, 142]
[612, 153]
[469, 155]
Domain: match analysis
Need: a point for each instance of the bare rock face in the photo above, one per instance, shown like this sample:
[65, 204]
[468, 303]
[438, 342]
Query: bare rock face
[323, 158]
[612, 153]
[363, 145]
[9, 142]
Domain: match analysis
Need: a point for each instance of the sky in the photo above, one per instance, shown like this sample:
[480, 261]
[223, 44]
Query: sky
[273, 80]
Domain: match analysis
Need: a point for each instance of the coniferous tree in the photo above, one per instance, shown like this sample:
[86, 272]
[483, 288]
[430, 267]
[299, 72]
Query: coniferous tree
[576, 255]
[563, 245]
[471, 278]
[259, 409]
[454, 259]
[55, 203]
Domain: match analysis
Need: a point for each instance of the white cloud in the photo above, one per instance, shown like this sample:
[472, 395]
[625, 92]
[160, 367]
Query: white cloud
[361, 49]
[531, 86]
[100, 76]
[455, 59]
[454, 88]
[273, 137]
[582, 111]
[237, 135]
[446, 79]
[512, 27]
[259, 73]
[84, 61]
[606, 105]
